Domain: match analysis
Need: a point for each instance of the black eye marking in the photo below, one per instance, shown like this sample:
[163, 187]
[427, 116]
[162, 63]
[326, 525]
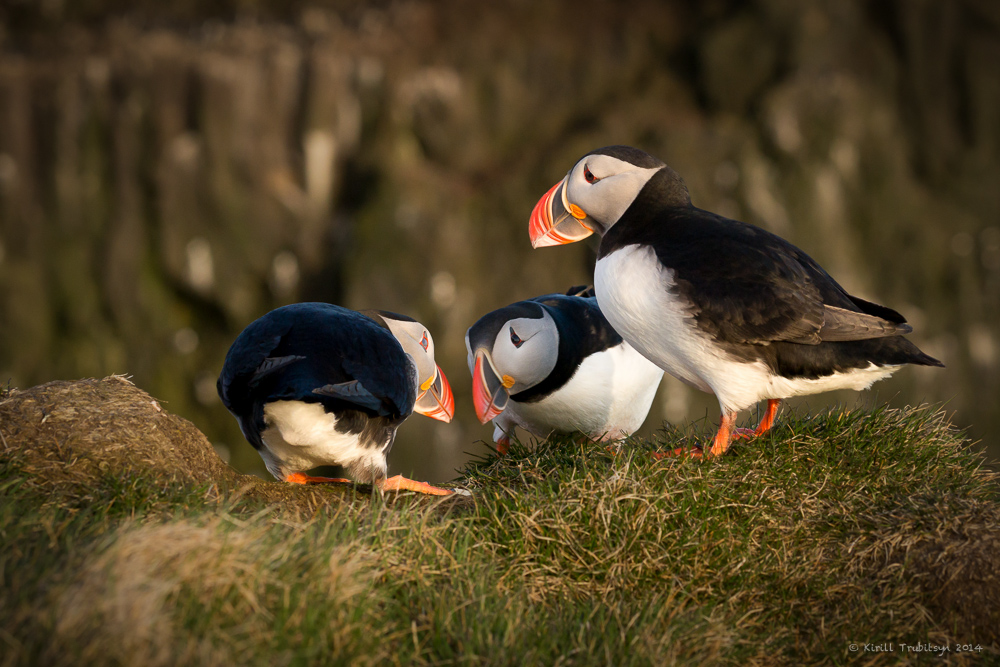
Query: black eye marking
[589, 176]
[515, 339]
[424, 342]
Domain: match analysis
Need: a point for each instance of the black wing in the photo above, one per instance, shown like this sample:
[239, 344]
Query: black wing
[315, 352]
[746, 285]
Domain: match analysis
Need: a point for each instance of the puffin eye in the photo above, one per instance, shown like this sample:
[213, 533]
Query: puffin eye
[589, 176]
[515, 339]
[424, 342]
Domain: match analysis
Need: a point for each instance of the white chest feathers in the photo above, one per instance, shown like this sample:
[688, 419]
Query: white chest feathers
[607, 397]
[301, 436]
[634, 292]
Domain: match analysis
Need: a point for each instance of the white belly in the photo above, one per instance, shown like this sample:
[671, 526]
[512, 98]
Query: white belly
[301, 436]
[634, 292]
[608, 397]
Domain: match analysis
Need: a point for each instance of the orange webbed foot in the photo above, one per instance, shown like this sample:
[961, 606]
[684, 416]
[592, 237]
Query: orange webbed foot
[400, 483]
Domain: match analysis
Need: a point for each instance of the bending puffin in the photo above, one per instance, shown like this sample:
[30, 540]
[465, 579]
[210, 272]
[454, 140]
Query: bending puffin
[315, 384]
[722, 305]
[554, 364]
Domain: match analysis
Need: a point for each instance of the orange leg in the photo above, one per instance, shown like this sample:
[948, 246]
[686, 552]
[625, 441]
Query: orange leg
[400, 483]
[302, 478]
[503, 445]
[766, 422]
[724, 435]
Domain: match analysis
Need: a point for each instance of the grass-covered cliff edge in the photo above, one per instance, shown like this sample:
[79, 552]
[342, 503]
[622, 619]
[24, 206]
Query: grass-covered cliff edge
[125, 541]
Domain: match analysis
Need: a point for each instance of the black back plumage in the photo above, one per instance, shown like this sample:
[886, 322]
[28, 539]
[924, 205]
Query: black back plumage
[757, 295]
[583, 331]
[295, 352]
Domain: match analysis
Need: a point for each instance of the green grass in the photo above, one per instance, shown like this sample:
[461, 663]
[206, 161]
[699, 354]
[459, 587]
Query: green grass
[835, 529]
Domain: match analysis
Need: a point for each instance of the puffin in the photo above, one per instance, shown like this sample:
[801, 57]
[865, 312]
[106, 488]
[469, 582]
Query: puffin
[315, 384]
[553, 364]
[722, 305]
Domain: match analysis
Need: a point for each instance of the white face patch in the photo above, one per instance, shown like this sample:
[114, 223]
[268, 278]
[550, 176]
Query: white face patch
[610, 188]
[417, 342]
[527, 350]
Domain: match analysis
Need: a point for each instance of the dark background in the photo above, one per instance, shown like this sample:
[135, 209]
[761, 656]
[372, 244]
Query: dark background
[168, 174]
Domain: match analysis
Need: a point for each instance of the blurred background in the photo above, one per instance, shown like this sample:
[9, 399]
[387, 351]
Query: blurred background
[171, 171]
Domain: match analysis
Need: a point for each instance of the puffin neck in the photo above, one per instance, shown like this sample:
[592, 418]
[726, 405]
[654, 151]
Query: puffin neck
[664, 191]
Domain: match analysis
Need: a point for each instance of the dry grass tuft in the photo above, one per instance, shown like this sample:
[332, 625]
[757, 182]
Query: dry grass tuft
[124, 605]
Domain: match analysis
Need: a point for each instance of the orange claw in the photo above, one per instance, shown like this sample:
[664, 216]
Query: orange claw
[680, 452]
[400, 483]
[302, 478]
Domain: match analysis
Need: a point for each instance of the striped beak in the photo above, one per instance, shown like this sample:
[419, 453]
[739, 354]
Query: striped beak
[555, 221]
[489, 394]
[437, 401]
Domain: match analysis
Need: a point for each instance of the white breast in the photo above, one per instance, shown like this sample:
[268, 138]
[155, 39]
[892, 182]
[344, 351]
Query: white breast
[301, 436]
[608, 397]
[634, 292]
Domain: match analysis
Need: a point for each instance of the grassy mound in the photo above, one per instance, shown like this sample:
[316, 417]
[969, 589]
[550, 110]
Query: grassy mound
[835, 530]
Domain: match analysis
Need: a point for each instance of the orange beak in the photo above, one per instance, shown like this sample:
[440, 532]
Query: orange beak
[554, 221]
[437, 402]
[489, 394]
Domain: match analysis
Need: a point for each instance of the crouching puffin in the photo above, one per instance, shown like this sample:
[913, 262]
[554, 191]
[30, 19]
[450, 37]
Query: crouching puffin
[722, 305]
[315, 384]
[554, 364]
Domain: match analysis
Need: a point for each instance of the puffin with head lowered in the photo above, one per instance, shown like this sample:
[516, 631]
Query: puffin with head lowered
[553, 364]
[314, 384]
[722, 305]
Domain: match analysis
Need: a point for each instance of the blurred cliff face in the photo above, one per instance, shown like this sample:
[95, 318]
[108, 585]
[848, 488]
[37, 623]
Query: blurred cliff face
[164, 180]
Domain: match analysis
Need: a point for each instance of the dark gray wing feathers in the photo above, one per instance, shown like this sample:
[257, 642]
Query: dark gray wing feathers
[352, 392]
[272, 364]
[840, 324]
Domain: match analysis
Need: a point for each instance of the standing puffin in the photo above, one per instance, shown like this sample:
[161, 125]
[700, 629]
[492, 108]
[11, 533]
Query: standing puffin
[315, 384]
[554, 364]
[722, 305]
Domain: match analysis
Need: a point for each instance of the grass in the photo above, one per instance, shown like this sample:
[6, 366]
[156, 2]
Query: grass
[858, 527]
